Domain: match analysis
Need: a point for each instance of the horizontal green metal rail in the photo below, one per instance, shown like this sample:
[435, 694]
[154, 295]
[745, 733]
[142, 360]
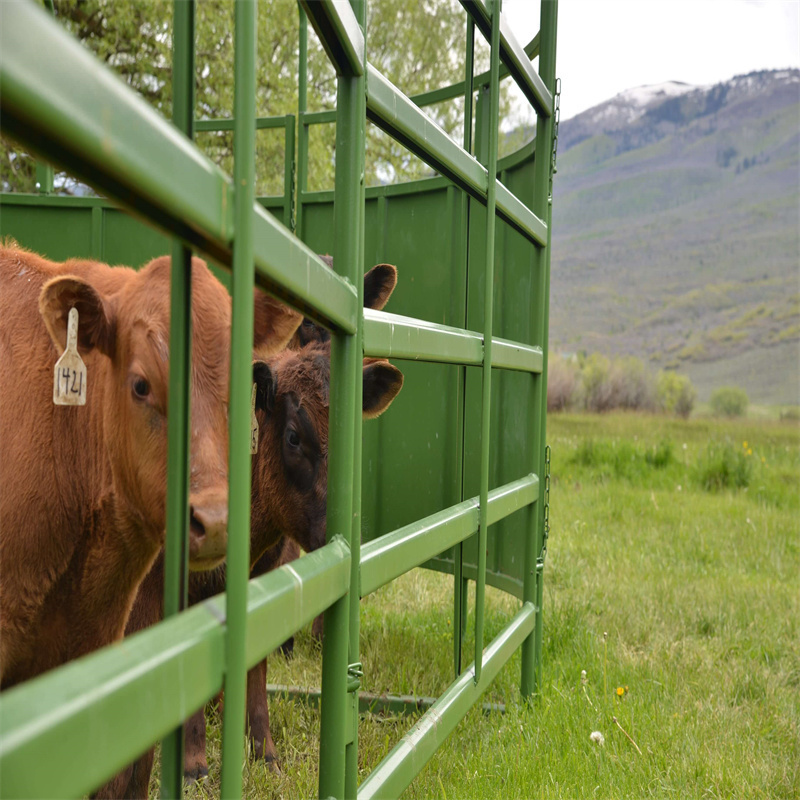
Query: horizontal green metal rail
[395, 336]
[396, 114]
[415, 749]
[53, 97]
[262, 123]
[513, 56]
[531, 50]
[149, 683]
[389, 556]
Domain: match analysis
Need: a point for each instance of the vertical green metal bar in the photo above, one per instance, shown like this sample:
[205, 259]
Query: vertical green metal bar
[338, 713]
[242, 278]
[44, 170]
[354, 657]
[494, 87]
[459, 584]
[533, 586]
[288, 173]
[302, 128]
[179, 420]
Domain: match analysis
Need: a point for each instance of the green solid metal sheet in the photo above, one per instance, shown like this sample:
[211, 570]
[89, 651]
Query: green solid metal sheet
[410, 453]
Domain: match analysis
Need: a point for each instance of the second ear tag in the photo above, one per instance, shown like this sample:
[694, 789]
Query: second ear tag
[69, 378]
[253, 423]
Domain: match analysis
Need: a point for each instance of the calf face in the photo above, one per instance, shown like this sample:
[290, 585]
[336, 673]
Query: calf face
[131, 329]
[290, 471]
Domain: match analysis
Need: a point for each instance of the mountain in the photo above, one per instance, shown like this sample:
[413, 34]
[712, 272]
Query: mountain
[676, 220]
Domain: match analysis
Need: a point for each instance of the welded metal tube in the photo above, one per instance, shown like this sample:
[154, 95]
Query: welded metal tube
[488, 305]
[533, 580]
[179, 421]
[242, 278]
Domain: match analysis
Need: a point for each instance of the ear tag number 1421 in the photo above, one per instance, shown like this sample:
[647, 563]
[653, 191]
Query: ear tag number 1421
[69, 378]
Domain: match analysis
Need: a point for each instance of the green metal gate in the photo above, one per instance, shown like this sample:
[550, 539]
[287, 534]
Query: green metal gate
[57, 99]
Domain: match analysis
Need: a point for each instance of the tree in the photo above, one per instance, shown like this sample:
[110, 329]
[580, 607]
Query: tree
[417, 44]
[729, 401]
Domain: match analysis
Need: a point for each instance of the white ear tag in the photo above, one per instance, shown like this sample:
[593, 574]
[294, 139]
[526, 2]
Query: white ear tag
[253, 424]
[69, 378]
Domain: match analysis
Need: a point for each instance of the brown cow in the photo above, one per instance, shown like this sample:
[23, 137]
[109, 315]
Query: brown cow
[289, 493]
[82, 506]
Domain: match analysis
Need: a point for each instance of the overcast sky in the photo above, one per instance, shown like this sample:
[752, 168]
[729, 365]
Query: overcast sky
[607, 46]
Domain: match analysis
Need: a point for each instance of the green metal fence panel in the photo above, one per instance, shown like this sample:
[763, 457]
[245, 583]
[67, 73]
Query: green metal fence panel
[469, 319]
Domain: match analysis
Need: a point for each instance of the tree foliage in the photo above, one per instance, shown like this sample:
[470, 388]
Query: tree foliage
[417, 44]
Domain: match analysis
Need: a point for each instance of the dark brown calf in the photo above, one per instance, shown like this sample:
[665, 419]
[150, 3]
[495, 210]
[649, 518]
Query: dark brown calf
[82, 506]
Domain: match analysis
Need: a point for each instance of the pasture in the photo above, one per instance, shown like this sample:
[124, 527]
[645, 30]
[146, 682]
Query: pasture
[694, 577]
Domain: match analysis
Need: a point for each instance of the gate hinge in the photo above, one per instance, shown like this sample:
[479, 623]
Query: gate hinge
[354, 674]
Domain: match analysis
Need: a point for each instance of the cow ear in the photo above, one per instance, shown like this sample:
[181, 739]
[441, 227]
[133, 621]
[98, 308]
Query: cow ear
[274, 324]
[96, 318]
[382, 383]
[379, 284]
[266, 387]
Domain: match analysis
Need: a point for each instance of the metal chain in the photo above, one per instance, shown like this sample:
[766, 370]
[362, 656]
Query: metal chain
[546, 523]
[556, 120]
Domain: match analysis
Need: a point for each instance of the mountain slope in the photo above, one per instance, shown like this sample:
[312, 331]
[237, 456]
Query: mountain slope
[675, 229]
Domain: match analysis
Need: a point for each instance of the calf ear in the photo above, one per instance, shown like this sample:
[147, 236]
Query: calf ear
[379, 284]
[274, 324]
[382, 383]
[96, 318]
[266, 387]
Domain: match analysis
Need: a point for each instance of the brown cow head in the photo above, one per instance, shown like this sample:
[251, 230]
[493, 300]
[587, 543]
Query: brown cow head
[290, 471]
[379, 284]
[129, 326]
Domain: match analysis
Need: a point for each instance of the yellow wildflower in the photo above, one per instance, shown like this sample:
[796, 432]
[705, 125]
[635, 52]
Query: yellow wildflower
[620, 691]
[749, 451]
[744, 444]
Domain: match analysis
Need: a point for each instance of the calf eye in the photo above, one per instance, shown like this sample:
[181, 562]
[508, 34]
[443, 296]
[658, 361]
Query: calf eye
[141, 388]
[292, 438]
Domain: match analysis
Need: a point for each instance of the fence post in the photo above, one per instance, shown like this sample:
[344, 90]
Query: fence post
[488, 305]
[179, 421]
[533, 588]
[239, 469]
[338, 768]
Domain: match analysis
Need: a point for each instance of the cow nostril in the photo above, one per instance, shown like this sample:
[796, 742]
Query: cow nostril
[196, 527]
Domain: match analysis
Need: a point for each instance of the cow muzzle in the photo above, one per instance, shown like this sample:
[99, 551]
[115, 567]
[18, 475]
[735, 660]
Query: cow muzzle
[208, 530]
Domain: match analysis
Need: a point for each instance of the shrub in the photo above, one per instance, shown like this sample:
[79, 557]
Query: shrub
[597, 391]
[675, 393]
[563, 383]
[631, 385]
[723, 467]
[729, 401]
[624, 383]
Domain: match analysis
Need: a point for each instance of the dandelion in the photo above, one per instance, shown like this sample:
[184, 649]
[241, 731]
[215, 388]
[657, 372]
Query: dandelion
[597, 738]
[749, 451]
[620, 691]
[744, 444]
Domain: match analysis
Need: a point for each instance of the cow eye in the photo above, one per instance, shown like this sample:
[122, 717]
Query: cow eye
[141, 388]
[292, 438]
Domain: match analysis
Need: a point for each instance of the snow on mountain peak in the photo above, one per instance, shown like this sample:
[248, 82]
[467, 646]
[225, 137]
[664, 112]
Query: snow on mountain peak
[644, 95]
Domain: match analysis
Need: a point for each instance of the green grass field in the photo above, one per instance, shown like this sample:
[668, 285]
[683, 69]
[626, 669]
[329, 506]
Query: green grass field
[672, 579]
